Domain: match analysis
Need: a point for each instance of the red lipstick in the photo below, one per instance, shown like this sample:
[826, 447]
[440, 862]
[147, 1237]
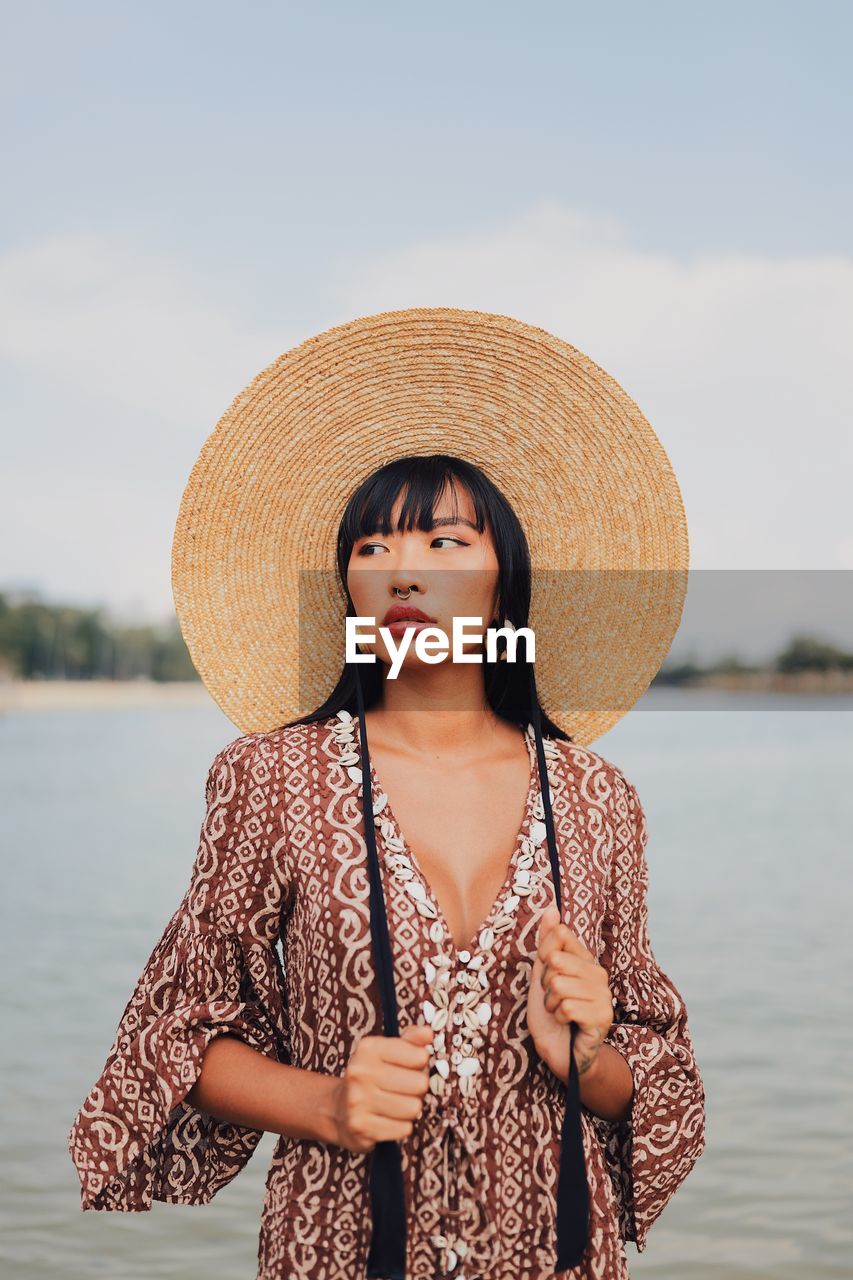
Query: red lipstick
[401, 616]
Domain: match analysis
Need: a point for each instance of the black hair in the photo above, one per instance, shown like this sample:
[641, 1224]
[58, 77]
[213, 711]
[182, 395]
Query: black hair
[509, 686]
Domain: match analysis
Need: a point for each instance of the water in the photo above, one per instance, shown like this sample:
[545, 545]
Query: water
[750, 815]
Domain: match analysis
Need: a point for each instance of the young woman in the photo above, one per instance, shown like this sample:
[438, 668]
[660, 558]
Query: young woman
[464, 1083]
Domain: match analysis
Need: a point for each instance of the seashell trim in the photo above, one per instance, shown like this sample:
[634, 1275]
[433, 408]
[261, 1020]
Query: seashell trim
[458, 1004]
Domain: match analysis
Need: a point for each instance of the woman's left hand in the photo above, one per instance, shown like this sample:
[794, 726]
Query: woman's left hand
[567, 985]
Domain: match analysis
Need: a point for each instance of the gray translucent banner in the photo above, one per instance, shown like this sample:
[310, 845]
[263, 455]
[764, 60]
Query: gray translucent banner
[610, 639]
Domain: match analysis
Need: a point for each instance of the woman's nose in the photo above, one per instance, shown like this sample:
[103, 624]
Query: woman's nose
[404, 578]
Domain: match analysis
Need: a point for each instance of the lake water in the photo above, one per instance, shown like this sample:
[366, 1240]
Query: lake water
[750, 814]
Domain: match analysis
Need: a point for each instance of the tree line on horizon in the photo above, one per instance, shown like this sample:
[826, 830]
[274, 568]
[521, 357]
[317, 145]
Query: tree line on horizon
[43, 641]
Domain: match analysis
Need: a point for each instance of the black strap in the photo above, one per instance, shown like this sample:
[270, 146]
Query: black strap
[572, 1188]
[386, 1258]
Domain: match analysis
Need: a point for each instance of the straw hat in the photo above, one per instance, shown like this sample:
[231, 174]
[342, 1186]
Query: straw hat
[253, 556]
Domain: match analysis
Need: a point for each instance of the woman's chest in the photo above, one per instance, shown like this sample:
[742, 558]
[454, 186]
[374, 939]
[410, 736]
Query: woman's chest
[459, 831]
[473, 994]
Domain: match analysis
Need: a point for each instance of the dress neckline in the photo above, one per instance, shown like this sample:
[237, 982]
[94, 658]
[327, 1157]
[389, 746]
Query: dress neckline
[503, 902]
[459, 982]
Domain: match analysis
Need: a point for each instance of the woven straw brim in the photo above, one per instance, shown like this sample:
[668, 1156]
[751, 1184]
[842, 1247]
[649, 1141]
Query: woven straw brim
[253, 557]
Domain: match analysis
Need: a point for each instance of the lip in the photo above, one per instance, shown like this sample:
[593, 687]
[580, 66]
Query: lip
[404, 613]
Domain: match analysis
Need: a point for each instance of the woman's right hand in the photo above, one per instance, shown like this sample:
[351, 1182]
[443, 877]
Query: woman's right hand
[381, 1092]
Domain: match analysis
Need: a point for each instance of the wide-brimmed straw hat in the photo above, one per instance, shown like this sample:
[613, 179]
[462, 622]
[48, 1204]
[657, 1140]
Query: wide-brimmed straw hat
[253, 557]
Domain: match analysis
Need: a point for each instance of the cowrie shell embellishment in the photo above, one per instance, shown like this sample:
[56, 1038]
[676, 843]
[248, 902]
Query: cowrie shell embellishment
[468, 1010]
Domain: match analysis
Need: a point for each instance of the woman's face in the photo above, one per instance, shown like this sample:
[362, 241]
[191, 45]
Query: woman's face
[452, 571]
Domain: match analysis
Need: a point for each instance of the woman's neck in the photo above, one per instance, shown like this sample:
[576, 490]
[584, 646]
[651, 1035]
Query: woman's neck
[437, 713]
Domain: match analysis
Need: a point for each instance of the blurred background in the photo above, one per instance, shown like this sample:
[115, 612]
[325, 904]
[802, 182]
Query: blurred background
[192, 190]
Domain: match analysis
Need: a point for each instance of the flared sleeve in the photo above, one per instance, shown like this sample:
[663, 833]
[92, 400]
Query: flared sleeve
[214, 971]
[651, 1152]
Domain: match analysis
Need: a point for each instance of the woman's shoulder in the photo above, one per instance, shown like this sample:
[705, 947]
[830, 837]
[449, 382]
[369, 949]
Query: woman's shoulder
[266, 741]
[594, 774]
[291, 737]
[255, 777]
[271, 747]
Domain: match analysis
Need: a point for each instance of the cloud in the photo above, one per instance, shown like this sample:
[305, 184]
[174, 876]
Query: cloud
[740, 361]
[100, 315]
[119, 364]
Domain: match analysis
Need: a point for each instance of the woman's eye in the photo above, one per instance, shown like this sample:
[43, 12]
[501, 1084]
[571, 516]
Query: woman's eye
[368, 548]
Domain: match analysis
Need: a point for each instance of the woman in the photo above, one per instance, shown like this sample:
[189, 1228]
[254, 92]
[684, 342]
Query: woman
[413, 1051]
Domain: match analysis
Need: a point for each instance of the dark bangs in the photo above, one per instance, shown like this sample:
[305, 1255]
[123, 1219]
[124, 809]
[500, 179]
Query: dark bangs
[422, 480]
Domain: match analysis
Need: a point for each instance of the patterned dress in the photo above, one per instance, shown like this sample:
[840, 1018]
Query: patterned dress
[282, 855]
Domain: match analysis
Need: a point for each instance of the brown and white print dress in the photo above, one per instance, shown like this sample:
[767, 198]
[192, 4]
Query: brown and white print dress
[282, 854]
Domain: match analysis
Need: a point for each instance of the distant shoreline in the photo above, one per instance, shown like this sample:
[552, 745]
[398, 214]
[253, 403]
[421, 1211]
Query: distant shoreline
[84, 695]
[69, 695]
[793, 682]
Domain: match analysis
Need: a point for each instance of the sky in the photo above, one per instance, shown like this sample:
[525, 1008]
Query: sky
[192, 189]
